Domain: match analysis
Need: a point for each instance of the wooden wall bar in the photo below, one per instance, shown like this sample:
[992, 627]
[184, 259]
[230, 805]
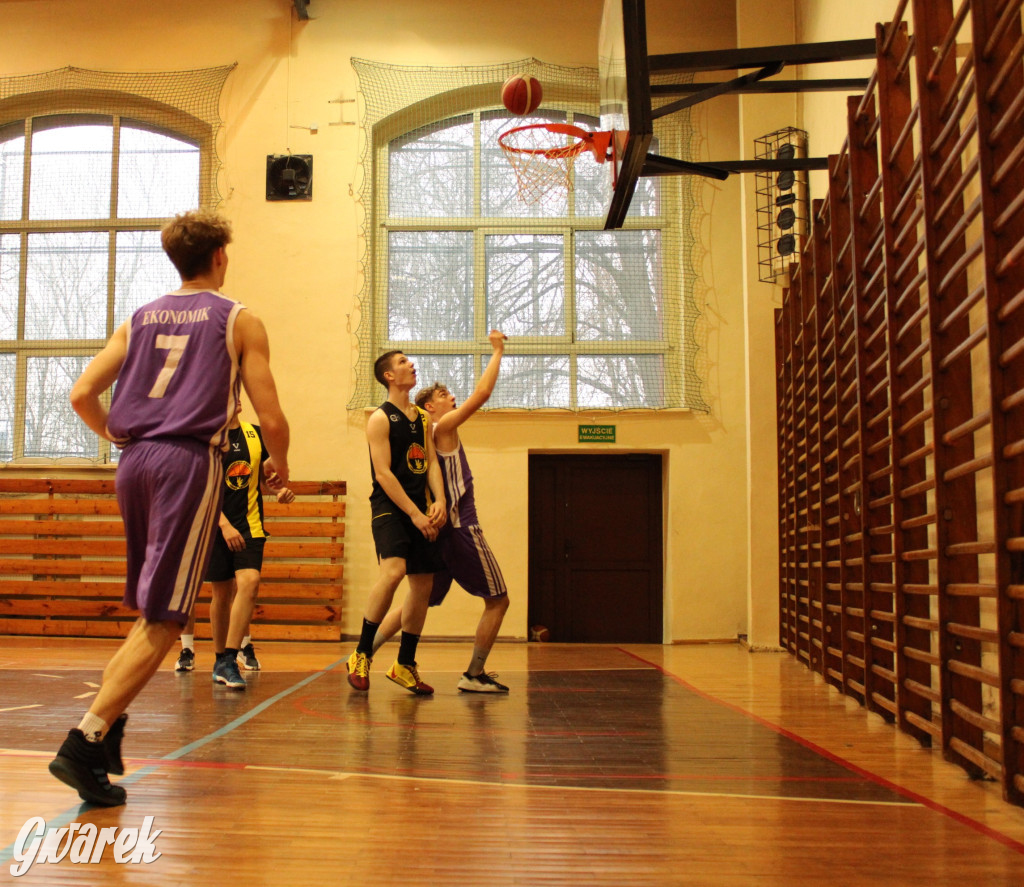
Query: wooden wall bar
[62, 562]
[900, 349]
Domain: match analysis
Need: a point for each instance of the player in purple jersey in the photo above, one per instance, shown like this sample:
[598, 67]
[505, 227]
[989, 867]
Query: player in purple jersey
[177, 363]
[467, 557]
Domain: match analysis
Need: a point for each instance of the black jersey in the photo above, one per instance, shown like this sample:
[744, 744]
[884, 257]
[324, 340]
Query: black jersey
[243, 503]
[408, 458]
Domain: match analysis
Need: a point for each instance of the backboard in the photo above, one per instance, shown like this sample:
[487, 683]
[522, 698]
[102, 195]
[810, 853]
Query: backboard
[625, 98]
[626, 108]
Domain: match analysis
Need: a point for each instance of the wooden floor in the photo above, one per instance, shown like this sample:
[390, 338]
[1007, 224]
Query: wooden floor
[638, 765]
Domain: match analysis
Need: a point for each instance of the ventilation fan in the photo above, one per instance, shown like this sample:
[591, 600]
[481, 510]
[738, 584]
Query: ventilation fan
[289, 177]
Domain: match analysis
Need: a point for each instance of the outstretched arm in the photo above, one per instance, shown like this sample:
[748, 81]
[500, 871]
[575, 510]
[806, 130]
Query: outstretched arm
[445, 427]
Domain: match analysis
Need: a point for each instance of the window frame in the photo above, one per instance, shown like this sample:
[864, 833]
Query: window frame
[669, 222]
[20, 117]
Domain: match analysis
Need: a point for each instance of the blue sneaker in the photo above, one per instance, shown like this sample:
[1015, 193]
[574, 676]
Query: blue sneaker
[225, 671]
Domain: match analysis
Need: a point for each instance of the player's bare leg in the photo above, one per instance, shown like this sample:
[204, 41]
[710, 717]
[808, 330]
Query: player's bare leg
[475, 679]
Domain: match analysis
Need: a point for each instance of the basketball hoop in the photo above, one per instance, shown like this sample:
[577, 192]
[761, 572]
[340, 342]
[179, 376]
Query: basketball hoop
[542, 167]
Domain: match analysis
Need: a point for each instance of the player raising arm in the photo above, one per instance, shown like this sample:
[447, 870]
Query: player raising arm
[467, 557]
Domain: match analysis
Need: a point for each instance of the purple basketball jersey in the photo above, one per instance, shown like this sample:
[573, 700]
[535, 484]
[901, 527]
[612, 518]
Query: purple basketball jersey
[180, 376]
[458, 488]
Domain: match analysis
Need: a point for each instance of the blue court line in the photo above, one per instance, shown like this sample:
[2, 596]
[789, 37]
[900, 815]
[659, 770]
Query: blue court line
[7, 853]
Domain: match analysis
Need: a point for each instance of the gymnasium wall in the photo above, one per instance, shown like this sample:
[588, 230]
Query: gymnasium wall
[297, 264]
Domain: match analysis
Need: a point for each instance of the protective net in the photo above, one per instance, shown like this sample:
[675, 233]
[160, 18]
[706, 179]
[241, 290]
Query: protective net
[596, 320]
[92, 163]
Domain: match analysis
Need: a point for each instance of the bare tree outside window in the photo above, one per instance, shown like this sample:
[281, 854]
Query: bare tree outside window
[583, 307]
[58, 303]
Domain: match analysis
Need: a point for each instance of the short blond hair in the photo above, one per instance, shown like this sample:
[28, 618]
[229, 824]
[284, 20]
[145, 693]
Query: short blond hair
[191, 238]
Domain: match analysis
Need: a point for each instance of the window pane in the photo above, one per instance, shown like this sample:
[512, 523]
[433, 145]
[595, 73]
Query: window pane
[430, 171]
[12, 177]
[646, 198]
[143, 272]
[430, 285]
[454, 371]
[617, 381]
[10, 257]
[66, 286]
[592, 181]
[7, 364]
[532, 381]
[526, 284]
[499, 192]
[593, 187]
[51, 426]
[618, 285]
[158, 175]
[71, 168]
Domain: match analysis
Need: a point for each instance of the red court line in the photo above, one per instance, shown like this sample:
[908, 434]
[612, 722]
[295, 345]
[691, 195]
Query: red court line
[962, 818]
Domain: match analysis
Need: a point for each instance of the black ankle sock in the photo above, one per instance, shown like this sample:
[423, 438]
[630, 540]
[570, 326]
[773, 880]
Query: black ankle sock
[366, 637]
[407, 648]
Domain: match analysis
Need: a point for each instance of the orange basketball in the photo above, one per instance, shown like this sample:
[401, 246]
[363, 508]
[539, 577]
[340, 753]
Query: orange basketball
[521, 94]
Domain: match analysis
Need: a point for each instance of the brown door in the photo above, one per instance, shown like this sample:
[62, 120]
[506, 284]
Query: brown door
[596, 548]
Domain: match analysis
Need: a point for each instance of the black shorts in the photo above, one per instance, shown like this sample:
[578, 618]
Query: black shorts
[395, 535]
[224, 562]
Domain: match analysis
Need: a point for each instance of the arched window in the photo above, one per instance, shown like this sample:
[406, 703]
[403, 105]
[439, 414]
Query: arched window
[596, 319]
[82, 201]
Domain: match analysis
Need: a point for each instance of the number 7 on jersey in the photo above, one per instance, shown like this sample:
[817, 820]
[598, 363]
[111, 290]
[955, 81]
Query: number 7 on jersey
[175, 347]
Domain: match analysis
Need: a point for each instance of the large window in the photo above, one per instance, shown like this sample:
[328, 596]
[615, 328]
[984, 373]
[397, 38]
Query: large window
[593, 316]
[82, 201]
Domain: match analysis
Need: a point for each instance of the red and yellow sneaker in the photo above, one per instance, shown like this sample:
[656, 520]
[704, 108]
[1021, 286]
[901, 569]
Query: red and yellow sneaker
[358, 666]
[407, 676]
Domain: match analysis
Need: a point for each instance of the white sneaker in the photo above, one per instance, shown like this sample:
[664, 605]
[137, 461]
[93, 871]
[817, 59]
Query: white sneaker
[480, 683]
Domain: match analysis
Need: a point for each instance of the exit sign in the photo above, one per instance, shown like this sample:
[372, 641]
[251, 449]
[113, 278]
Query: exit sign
[596, 434]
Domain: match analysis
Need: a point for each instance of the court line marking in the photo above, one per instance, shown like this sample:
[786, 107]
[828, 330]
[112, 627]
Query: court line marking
[955, 815]
[348, 774]
[7, 853]
[509, 778]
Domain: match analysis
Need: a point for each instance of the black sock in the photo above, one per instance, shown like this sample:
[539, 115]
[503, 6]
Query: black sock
[407, 648]
[366, 637]
[230, 652]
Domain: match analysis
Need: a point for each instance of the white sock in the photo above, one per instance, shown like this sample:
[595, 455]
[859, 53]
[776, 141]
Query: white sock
[93, 727]
[246, 641]
[187, 641]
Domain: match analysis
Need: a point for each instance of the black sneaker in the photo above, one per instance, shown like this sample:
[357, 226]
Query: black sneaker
[225, 671]
[83, 765]
[480, 683]
[247, 655]
[112, 746]
[186, 660]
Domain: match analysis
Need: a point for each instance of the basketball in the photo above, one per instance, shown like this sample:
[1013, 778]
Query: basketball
[540, 633]
[521, 94]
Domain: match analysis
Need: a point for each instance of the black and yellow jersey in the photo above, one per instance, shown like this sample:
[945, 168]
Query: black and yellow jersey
[243, 503]
[408, 458]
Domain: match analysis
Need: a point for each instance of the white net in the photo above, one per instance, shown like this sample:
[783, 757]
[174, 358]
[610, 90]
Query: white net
[542, 157]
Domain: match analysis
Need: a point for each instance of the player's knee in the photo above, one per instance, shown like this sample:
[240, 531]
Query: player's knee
[393, 571]
[499, 604]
